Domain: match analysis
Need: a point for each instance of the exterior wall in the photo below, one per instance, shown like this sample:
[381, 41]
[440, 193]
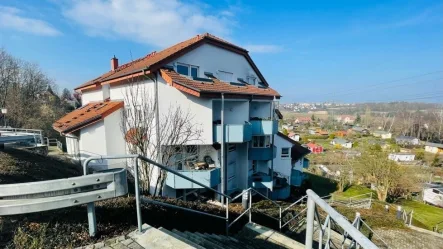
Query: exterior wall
[242, 166]
[92, 95]
[432, 149]
[72, 146]
[93, 143]
[210, 58]
[401, 158]
[145, 90]
[236, 112]
[115, 143]
[298, 165]
[199, 108]
[282, 165]
[260, 109]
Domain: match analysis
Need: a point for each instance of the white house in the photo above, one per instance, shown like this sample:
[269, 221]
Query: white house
[294, 136]
[220, 85]
[382, 134]
[434, 148]
[407, 140]
[345, 119]
[402, 157]
[342, 143]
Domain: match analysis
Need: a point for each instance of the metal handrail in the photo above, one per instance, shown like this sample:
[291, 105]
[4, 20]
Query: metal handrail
[373, 232]
[315, 200]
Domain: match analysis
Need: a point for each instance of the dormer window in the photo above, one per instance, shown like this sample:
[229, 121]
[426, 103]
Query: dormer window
[225, 76]
[188, 70]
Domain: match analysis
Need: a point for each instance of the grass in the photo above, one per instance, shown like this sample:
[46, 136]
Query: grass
[355, 190]
[321, 185]
[426, 214]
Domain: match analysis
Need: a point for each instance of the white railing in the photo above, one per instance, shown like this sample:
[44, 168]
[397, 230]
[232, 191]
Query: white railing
[333, 216]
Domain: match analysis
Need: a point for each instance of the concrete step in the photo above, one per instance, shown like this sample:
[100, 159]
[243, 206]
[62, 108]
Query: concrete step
[269, 237]
[235, 242]
[201, 241]
[225, 243]
[177, 236]
[154, 238]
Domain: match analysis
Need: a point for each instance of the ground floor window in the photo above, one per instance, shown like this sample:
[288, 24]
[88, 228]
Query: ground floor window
[285, 153]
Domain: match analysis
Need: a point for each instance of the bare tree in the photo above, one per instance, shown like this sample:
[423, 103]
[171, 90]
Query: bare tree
[161, 140]
[377, 169]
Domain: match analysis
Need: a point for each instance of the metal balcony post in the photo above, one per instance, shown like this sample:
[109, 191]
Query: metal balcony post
[309, 223]
[227, 216]
[250, 205]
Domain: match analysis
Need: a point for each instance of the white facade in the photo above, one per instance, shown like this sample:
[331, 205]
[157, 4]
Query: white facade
[106, 138]
[401, 157]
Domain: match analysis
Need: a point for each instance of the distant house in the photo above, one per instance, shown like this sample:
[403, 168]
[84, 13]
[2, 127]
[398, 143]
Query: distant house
[360, 130]
[434, 148]
[382, 134]
[341, 133]
[321, 132]
[402, 157]
[351, 153]
[382, 144]
[294, 136]
[342, 142]
[314, 148]
[345, 119]
[407, 140]
[287, 127]
[303, 120]
[312, 132]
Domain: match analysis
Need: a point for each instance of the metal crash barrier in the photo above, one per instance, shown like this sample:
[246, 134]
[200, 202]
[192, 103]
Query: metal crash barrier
[33, 197]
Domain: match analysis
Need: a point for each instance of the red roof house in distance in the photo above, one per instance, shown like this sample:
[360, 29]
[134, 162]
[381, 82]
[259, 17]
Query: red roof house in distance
[314, 148]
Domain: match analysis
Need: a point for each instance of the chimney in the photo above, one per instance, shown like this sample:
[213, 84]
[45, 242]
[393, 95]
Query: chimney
[114, 63]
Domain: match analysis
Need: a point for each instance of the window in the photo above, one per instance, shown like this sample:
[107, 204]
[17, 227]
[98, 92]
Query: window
[261, 141]
[187, 70]
[250, 80]
[285, 153]
[225, 76]
[254, 166]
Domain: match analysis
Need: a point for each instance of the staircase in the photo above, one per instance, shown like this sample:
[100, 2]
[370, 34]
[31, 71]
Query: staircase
[252, 236]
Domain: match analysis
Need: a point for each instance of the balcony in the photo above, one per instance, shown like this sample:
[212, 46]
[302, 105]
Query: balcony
[262, 181]
[264, 127]
[234, 133]
[262, 153]
[209, 178]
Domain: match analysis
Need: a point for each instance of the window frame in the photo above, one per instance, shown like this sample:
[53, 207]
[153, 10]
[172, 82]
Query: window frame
[248, 78]
[190, 67]
[285, 155]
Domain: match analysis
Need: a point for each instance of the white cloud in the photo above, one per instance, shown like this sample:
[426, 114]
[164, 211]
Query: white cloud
[154, 22]
[264, 48]
[13, 19]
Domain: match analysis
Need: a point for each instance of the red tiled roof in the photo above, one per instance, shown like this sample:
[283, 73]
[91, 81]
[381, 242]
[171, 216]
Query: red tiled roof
[216, 86]
[86, 115]
[155, 60]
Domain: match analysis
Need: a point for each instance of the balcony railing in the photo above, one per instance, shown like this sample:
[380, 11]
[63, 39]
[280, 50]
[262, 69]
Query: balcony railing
[209, 178]
[262, 153]
[234, 133]
[262, 181]
[264, 127]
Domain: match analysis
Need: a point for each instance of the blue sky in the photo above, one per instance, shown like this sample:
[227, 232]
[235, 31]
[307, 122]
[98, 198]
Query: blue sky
[347, 51]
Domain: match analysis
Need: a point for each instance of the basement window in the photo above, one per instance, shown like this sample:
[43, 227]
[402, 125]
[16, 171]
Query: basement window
[188, 70]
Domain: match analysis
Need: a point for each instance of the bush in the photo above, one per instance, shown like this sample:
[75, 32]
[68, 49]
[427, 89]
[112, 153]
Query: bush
[331, 136]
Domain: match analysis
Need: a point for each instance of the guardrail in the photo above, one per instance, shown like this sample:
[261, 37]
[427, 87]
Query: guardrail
[14, 135]
[438, 228]
[352, 232]
[22, 198]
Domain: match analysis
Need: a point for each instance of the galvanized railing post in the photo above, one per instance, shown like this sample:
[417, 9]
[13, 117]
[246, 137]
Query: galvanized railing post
[250, 205]
[137, 197]
[92, 222]
[227, 216]
[279, 219]
[310, 223]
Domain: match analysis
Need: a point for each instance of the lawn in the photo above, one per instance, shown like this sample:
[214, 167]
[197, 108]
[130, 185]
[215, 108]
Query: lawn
[426, 214]
[356, 190]
[321, 185]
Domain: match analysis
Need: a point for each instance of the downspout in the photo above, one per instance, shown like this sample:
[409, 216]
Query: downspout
[222, 158]
[272, 146]
[157, 115]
